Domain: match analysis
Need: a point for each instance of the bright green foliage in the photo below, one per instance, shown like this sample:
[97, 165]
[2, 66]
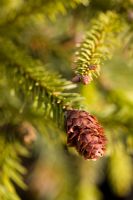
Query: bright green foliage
[11, 11]
[11, 169]
[98, 44]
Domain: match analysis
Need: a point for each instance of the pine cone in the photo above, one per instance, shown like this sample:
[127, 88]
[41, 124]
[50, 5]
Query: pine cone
[85, 134]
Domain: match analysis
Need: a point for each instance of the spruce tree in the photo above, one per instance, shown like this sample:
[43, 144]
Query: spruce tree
[65, 98]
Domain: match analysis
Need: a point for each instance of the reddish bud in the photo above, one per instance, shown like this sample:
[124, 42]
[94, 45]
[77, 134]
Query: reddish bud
[85, 79]
[92, 67]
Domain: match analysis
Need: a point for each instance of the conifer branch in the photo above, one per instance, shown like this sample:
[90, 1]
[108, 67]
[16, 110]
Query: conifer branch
[46, 88]
[11, 170]
[97, 46]
[49, 9]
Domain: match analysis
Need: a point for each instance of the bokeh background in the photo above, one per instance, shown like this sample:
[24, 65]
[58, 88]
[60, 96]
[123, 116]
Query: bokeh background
[49, 31]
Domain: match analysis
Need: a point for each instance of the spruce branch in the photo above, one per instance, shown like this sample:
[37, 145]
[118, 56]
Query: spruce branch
[97, 46]
[46, 88]
[49, 9]
[11, 170]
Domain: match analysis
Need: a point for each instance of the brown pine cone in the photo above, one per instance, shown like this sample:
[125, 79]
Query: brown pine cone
[85, 134]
